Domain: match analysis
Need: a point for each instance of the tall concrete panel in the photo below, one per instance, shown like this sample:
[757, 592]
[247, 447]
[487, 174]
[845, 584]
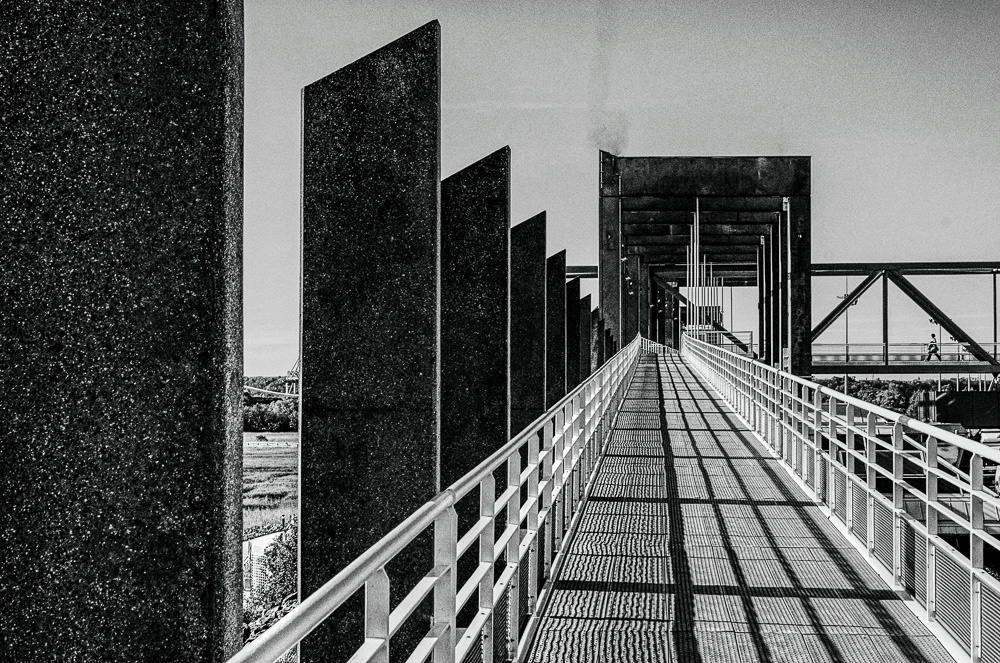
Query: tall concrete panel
[596, 340]
[572, 334]
[475, 259]
[370, 318]
[585, 337]
[121, 333]
[555, 329]
[630, 300]
[609, 242]
[800, 288]
[527, 322]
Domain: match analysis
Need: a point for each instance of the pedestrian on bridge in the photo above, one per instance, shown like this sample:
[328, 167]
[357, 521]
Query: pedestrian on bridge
[932, 349]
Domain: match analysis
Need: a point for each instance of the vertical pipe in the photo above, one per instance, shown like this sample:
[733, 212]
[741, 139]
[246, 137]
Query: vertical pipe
[885, 319]
[994, 314]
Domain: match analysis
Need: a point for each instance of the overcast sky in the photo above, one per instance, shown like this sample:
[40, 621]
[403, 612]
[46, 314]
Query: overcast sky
[896, 102]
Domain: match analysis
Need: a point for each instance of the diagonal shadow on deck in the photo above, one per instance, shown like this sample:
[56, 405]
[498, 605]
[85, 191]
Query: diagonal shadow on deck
[695, 545]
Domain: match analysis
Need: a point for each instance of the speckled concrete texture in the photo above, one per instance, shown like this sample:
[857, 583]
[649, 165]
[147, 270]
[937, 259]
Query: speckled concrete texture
[370, 340]
[596, 340]
[572, 334]
[475, 355]
[585, 331]
[555, 328]
[527, 322]
[121, 332]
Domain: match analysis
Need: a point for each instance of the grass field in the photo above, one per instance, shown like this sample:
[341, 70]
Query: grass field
[270, 477]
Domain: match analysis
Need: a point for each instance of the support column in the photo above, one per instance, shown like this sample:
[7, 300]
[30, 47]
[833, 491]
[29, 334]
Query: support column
[370, 416]
[527, 322]
[586, 325]
[774, 274]
[475, 322]
[800, 285]
[644, 295]
[885, 319]
[122, 332]
[609, 229]
[572, 334]
[630, 301]
[555, 329]
[598, 340]
[761, 304]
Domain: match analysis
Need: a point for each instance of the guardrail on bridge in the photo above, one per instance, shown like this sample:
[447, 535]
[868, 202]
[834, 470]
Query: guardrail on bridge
[899, 487]
[563, 447]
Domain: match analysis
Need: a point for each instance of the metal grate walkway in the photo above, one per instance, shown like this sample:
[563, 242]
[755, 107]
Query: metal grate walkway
[695, 546]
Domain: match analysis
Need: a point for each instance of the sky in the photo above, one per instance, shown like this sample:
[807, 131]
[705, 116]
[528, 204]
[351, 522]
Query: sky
[895, 101]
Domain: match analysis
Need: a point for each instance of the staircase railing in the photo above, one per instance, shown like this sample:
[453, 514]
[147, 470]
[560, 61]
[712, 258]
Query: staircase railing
[562, 448]
[919, 499]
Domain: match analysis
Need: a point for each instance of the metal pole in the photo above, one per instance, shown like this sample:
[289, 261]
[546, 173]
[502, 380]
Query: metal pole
[994, 314]
[885, 319]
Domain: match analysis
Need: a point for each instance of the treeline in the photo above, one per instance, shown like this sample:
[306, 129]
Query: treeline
[896, 395]
[276, 417]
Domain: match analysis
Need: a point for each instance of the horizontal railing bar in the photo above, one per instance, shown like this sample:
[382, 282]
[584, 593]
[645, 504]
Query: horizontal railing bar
[320, 604]
[471, 585]
[316, 607]
[471, 635]
[500, 546]
[425, 648]
[414, 598]
[369, 650]
[473, 534]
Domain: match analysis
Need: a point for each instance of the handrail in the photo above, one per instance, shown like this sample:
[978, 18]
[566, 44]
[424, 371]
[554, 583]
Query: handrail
[942, 435]
[569, 436]
[883, 492]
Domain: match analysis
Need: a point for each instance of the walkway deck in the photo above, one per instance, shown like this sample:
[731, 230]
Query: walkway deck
[696, 546]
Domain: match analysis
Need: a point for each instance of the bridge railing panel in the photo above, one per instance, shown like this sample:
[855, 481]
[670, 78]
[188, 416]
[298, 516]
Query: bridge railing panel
[922, 501]
[518, 543]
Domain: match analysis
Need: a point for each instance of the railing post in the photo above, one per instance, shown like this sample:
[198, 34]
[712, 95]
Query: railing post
[897, 504]
[849, 464]
[445, 590]
[487, 557]
[532, 522]
[817, 442]
[546, 497]
[870, 478]
[377, 613]
[514, 553]
[976, 553]
[932, 528]
[558, 478]
[831, 455]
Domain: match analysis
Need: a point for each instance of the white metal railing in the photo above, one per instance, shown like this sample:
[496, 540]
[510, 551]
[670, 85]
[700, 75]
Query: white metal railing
[916, 497]
[872, 353]
[563, 448]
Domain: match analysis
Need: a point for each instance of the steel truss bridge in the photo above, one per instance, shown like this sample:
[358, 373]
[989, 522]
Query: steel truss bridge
[694, 506]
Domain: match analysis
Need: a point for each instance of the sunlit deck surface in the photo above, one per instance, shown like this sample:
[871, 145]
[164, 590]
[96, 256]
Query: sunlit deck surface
[696, 546]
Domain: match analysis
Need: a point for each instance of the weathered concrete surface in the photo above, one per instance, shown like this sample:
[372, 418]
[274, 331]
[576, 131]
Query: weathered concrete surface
[475, 355]
[555, 328]
[609, 243]
[572, 334]
[586, 324]
[121, 332]
[527, 322]
[370, 338]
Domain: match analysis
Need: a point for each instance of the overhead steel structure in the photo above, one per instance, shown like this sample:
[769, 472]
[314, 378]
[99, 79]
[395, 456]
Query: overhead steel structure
[695, 222]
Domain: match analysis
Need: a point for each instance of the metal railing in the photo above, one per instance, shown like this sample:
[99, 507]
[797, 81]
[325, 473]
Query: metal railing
[899, 353]
[917, 498]
[563, 448]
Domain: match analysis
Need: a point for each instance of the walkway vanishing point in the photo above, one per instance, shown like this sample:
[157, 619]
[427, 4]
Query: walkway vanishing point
[696, 546]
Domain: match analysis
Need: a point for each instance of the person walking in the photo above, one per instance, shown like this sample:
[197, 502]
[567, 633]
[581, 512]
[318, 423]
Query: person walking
[932, 349]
